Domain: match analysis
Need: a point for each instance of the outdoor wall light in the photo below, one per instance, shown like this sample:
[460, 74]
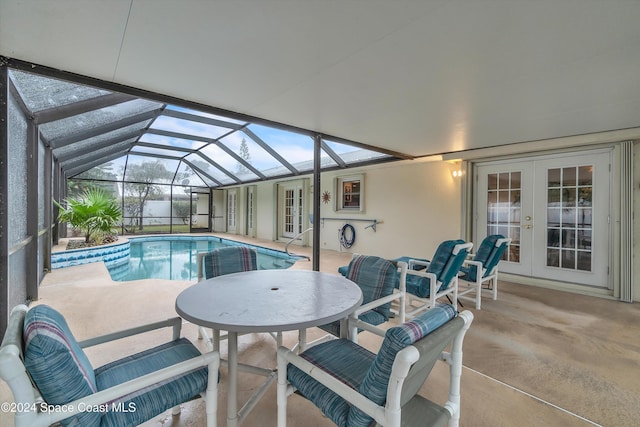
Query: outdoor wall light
[457, 173]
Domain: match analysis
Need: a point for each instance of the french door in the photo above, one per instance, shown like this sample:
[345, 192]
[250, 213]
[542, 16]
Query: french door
[232, 196]
[556, 210]
[292, 204]
[200, 203]
[251, 211]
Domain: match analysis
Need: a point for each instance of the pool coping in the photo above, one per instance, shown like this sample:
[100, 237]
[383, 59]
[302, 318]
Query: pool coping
[114, 254]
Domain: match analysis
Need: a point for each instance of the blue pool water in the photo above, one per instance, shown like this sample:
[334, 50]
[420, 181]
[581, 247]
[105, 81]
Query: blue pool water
[176, 257]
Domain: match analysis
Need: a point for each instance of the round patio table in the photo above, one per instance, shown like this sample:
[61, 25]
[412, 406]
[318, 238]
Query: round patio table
[265, 301]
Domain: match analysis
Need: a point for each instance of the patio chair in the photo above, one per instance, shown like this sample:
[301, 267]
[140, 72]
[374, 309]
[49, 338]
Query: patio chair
[482, 269]
[428, 281]
[53, 381]
[227, 260]
[382, 282]
[221, 261]
[354, 387]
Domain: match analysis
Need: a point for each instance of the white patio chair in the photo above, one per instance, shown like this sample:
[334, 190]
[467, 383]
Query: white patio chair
[382, 282]
[354, 387]
[221, 261]
[53, 381]
[429, 281]
[482, 269]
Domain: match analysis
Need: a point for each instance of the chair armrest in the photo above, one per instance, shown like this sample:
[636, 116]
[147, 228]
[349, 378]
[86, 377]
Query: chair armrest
[478, 264]
[376, 303]
[417, 262]
[175, 323]
[341, 389]
[367, 327]
[105, 397]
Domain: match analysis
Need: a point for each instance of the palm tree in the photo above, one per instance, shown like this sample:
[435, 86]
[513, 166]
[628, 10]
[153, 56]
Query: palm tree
[93, 212]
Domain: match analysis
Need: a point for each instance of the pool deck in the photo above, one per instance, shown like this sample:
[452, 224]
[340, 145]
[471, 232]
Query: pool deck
[535, 357]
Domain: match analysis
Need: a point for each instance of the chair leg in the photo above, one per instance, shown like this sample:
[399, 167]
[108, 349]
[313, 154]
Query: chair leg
[211, 395]
[215, 340]
[455, 293]
[302, 340]
[282, 390]
[495, 287]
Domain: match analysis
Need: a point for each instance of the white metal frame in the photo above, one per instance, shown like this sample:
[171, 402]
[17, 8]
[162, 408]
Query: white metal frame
[491, 279]
[14, 373]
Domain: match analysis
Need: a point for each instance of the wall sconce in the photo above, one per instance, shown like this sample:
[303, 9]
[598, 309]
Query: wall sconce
[457, 173]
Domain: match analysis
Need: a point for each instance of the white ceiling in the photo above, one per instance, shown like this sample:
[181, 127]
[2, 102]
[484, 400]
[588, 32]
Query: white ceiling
[418, 77]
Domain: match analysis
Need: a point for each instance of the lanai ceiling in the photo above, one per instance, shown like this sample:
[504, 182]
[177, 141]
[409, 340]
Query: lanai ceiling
[416, 77]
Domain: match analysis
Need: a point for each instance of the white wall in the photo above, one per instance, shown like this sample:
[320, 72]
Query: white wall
[266, 210]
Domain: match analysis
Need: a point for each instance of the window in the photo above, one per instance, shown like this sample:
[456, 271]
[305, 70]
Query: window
[350, 192]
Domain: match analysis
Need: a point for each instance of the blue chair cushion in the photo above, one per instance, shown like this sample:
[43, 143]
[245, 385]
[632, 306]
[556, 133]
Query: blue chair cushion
[488, 254]
[56, 363]
[374, 385]
[333, 328]
[443, 260]
[141, 406]
[418, 285]
[444, 265]
[342, 359]
[343, 270]
[407, 259]
[232, 259]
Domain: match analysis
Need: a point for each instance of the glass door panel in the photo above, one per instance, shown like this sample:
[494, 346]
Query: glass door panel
[556, 212]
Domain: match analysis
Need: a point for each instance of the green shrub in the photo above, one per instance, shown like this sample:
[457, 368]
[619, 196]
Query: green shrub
[93, 212]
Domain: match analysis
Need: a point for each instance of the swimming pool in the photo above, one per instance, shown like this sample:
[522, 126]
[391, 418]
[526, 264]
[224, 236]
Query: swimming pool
[176, 257]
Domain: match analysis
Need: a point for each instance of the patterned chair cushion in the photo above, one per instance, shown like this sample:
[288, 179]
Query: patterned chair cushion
[233, 259]
[56, 363]
[374, 385]
[154, 400]
[344, 360]
[371, 317]
[377, 278]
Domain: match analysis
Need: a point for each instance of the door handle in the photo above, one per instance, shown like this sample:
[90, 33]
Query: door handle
[527, 218]
[527, 226]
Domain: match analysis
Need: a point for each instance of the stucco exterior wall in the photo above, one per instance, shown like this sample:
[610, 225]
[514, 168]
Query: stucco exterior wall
[418, 204]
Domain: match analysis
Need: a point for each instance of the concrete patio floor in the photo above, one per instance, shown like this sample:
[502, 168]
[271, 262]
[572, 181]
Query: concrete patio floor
[534, 357]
